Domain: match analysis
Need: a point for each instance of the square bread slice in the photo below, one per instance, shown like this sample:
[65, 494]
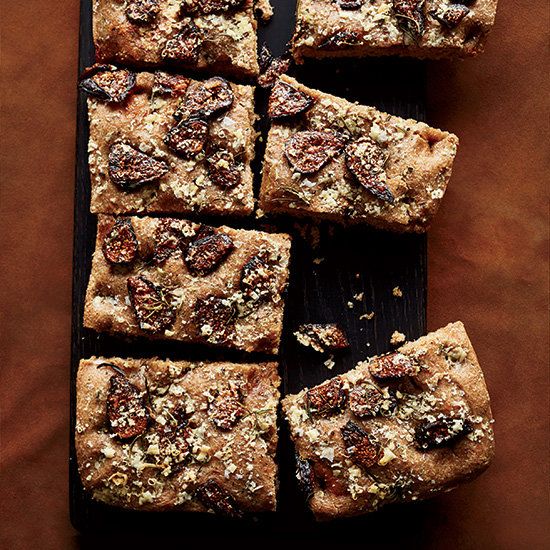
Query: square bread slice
[162, 435]
[173, 279]
[329, 158]
[400, 427]
[416, 28]
[214, 35]
[168, 144]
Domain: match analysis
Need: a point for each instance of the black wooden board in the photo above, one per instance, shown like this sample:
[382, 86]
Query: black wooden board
[355, 261]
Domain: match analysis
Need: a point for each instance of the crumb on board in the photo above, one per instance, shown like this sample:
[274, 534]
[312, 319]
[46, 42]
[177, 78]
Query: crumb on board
[317, 261]
[358, 296]
[260, 213]
[397, 292]
[350, 305]
[397, 338]
[367, 316]
[329, 363]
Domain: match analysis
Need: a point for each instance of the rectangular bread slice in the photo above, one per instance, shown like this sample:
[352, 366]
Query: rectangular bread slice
[162, 435]
[417, 28]
[173, 279]
[214, 35]
[165, 143]
[399, 427]
[329, 158]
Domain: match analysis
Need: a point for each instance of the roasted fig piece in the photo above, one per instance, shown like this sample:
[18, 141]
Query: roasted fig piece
[205, 7]
[170, 84]
[309, 151]
[142, 12]
[214, 498]
[341, 39]
[174, 449]
[322, 337]
[366, 160]
[410, 14]
[450, 16]
[204, 255]
[126, 410]
[108, 83]
[327, 398]
[226, 409]
[327, 480]
[441, 432]
[305, 476]
[359, 447]
[222, 169]
[151, 304]
[185, 46]
[129, 168]
[187, 137]
[215, 318]
[168, 239]
[271, 67]
[205, 100]
[286, 101]
[257, 278]
[394, 365]
[120, 245]
[350, 4]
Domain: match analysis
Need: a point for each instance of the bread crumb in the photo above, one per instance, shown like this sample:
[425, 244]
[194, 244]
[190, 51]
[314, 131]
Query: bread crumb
[350, 305]
[397, 292]
[359, 296]
[367, 316]
[329, 363]
[397, 338]
[317, 261]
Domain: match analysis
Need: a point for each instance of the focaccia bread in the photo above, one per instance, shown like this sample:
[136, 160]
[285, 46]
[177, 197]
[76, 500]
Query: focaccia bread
[166, 143]
[329, 158]
[398, 428]
[160, 435]
[214, 35]
[173, 279]
[418, 28]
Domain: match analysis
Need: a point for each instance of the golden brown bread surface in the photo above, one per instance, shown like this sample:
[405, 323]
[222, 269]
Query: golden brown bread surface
[232, 298]
[398, 428]
[226, 40]
[182, 446]
[142, 121]
[417, 160]
[431, 29]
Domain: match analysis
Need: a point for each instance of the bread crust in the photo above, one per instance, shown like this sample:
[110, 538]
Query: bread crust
[418, 167]
[378, 32]
[229, 39]
[108, 307]
[137, 474]
[447, 377]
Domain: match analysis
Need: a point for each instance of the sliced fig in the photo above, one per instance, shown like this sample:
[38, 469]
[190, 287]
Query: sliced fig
[327, 398]
[258, 278]
[205, 7]
[214, 498]
[168, 239]
[205, 100]
[359, 446]
[271, 67]
[366, 400]
[170, 84]
[108, 83]
[328, 481]
[126, 410]
[350, 4]
[151, 306]
[129, 168]
[366, 160]
[226, 409]
[120, 245]
[174, 448]
[410, 14]
[223, 170]
[309, 151]
[286, 101]
[341, 39]
[445, 430]
[204, 255]
[322, 337]
[305, 476]
[187, 137]
[394, 365]
[215, 318]
[185, 46]
[450, 16]
[142, 12]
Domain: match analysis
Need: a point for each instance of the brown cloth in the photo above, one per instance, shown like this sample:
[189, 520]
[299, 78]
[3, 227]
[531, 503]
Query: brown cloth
[488, 267]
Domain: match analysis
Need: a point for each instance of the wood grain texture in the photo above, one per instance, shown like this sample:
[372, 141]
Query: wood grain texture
[355, 261]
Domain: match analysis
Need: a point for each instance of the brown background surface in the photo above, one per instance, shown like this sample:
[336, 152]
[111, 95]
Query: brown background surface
[488, 267]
